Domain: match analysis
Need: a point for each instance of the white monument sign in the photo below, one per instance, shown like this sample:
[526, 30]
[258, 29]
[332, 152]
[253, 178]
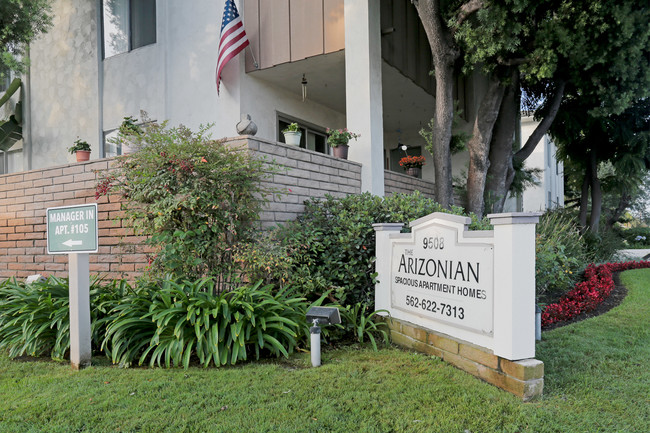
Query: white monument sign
[478, 286]
[440, 280]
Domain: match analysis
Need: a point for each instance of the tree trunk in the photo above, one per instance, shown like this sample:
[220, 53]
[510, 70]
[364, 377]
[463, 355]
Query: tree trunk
[479, 145]
[584, 198]
[532, 141]
[501, 171]
[623, 202]
[596, 195]
[445, 53]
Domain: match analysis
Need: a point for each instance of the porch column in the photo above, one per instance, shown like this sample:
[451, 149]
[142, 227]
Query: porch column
[364, 113]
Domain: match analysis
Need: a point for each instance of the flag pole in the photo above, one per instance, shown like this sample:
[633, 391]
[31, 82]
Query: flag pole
[253, 57]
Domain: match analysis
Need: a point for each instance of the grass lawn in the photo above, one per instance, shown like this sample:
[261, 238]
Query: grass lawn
[597, 380]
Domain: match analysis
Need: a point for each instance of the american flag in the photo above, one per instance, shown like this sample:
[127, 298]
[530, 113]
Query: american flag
[233, 37]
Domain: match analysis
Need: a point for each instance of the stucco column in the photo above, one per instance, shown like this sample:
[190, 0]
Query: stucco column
[514, 284]
[383, 252]
[364, 113]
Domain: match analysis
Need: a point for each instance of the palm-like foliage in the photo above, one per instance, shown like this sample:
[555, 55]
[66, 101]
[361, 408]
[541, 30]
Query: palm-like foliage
[168, 324]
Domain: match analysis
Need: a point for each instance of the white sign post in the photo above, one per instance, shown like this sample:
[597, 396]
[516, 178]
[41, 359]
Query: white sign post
[73, 230]
[80, 349]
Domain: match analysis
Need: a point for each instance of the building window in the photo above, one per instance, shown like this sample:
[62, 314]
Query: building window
[312, 138]
[111, 148]
[127, 25]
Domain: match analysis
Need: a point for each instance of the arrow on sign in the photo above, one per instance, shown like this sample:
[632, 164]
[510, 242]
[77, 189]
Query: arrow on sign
[70, 243]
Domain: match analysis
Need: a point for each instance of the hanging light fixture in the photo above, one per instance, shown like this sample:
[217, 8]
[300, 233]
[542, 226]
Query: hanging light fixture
[400, 145]
[304, 88]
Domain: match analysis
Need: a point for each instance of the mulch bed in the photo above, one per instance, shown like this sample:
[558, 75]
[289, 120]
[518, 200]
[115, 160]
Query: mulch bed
[615, 298]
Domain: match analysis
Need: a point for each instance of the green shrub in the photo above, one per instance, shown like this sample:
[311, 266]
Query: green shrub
[561, 254]
[603, 246]
[331, 247]
[636, 237]
[196, 198]
[170, 322]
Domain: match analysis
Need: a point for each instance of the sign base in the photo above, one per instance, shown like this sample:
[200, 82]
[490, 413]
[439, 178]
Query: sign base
[523, 378]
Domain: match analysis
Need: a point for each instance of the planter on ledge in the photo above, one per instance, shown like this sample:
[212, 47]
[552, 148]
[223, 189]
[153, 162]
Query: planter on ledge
[292, 137]
[341, 151]
[82, 155]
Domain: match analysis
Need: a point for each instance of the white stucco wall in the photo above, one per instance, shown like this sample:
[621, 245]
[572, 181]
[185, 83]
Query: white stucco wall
[174, 79]
[551, 178]
[63, 84]
[133, 82]
[189, 42]
[264, 102]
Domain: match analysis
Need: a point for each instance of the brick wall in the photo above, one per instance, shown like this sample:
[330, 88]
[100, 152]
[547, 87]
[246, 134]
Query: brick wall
[401, 183]
[24, 198]
[304, 174]
[524, 378]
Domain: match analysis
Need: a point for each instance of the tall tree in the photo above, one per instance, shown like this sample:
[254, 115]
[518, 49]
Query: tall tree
[614, 147]
[436, 16]
[598, 50]
[21, 21]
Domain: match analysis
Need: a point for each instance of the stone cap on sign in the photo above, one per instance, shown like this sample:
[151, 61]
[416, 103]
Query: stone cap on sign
[387, 227]
[514, 218]
[456, 219]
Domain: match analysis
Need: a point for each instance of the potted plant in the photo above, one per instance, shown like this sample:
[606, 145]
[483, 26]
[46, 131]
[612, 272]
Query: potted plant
[412, 164]
[129, 132]
[338, 140]
[292, 134]
[81, 149]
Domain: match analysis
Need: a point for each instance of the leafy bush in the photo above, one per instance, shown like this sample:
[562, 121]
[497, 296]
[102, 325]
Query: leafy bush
[636, 237]
[196, 198]
[561, 254]
[602, 247]
[332, 245]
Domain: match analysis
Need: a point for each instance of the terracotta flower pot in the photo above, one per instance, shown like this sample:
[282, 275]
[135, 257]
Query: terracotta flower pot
[341, 151]
[82, 155]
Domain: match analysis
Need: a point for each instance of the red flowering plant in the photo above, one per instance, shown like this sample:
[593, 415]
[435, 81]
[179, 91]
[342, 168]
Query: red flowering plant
[587, 295]
[412, 161]
[340, 137]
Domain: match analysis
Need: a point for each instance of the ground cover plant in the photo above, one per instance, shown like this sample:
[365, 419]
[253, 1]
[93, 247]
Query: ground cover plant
[34, 318]
[171, 322]
[587, 295]
[596, 380]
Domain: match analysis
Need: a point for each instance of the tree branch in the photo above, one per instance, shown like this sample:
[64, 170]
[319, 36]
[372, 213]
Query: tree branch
[512, 62]
[543, 126]
[468, 9]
